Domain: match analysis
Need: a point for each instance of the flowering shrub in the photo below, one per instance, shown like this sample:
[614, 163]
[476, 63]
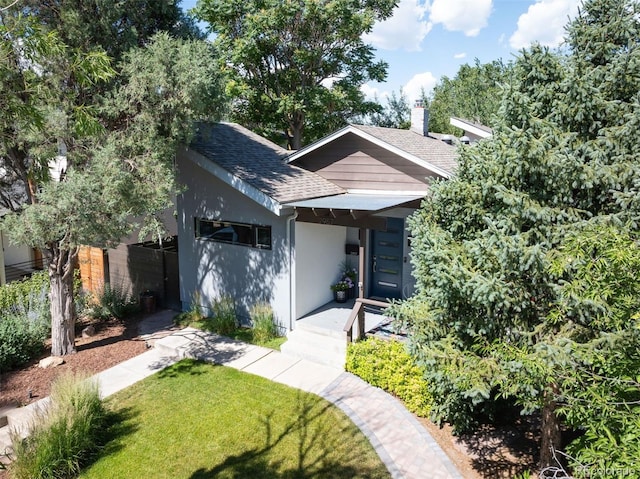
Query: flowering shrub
[342, 285]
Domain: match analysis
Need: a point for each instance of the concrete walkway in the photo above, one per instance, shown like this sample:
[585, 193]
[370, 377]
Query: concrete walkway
[402, 443]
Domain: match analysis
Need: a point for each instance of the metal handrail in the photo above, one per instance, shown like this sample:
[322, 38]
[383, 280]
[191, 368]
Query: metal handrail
[358, 312]
[348, 327]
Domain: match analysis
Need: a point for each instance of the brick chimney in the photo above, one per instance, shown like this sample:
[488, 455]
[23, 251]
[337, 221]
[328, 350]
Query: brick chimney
[420, 119]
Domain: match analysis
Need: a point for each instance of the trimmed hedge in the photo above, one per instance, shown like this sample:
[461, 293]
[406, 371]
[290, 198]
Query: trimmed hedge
[388, 365]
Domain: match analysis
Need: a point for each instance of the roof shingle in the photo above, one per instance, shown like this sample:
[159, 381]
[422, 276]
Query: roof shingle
[427, 148]
[260, 163]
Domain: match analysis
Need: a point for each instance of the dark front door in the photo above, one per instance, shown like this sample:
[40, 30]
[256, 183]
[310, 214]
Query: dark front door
[386, 260]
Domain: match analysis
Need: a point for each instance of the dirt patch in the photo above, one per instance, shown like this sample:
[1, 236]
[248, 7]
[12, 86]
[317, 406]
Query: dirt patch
[114, 342]
[490, 452]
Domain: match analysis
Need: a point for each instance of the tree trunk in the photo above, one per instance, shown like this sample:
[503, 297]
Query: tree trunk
[550, 434]
[296, 127]
[63, 311]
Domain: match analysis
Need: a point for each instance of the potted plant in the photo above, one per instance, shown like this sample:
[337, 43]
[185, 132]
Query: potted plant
[340, 289]
[351, 274]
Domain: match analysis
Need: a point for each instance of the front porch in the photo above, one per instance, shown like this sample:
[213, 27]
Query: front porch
[323, 334]
[333, 316]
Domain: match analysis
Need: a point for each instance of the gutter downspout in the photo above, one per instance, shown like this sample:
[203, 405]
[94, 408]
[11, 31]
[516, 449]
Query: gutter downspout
[292, 289]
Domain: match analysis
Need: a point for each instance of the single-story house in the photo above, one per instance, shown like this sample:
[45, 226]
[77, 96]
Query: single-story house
[260, 223]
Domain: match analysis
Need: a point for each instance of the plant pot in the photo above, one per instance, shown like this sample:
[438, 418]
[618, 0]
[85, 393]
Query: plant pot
[341, 296]
[147, 302]
[351, 292]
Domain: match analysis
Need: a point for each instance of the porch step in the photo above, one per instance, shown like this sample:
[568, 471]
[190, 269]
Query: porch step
[318, 345]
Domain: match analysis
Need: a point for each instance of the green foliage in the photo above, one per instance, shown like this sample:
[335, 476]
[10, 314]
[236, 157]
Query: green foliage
[193, 315]
[21, 339]
[224, 320]
[24, 320]
[388, 365]
[118, 28]
[473, 94]
[525, 261]
[262, 320]
[23, 292]
[65, 435]
[119, 130]
[112, 301]
[395, 114]
[280, 55]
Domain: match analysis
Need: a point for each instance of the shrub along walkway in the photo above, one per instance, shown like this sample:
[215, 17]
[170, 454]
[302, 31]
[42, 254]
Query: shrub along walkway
[402, 443]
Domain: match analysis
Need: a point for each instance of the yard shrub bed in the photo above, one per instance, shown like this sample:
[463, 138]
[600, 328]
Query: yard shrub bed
[24, 320]
[25, 292]
[388, 365]
[64, 437]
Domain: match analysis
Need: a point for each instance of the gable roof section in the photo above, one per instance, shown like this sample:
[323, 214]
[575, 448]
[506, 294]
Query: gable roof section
[259, 163]
[472, 127]
[426, 151]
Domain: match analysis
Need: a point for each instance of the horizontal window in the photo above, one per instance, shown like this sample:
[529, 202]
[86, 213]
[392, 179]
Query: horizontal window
[256, 236]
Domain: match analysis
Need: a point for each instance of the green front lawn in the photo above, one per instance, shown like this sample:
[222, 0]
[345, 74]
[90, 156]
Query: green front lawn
[195, 420]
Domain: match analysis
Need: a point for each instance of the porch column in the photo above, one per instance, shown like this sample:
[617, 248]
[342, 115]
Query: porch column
[362, 236]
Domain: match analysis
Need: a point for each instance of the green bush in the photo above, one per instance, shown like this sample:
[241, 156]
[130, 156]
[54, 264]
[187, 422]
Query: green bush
[264, 327]
[20, 340]
[388, 365]
[224, 319]
[25, 320]
[113, 302]
[65, 436]
[24, 292]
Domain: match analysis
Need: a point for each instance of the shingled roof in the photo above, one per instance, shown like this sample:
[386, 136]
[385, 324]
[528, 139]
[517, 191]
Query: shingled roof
[427, 148]
[260, 163]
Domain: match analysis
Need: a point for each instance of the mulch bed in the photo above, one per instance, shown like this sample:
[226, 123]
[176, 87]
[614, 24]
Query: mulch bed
[114, 342]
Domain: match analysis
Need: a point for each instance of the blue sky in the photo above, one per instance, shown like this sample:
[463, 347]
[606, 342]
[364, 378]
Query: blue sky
[426, 39]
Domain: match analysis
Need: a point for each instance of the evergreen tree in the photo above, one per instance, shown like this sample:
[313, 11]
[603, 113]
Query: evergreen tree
[119, 141]
[502, 308]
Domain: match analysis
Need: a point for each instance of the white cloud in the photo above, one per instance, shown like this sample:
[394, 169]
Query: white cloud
[421, 81]
[371, 93]
[404, 30]
[468, 16]
[544, 23]
[460, 55]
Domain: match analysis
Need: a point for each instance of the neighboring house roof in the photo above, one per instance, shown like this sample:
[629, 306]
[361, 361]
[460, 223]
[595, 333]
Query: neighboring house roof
[471, 127]
[426, 151]
[260, 163]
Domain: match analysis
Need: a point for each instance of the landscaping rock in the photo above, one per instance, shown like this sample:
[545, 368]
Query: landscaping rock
[89, 331]
[50, 362]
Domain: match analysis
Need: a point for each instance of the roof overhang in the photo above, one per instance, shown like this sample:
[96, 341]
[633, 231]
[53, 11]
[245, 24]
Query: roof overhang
[356, 202]
[233, 181]
[469, 127]
[350, 209]
[376, 141]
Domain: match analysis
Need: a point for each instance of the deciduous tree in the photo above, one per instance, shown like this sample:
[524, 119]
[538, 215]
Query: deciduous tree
[473, 94]
[296, 67]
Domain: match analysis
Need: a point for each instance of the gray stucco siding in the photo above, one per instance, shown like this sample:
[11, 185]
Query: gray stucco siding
[212, 269]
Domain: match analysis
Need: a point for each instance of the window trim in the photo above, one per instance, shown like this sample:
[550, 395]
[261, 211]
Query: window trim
[221, 224]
